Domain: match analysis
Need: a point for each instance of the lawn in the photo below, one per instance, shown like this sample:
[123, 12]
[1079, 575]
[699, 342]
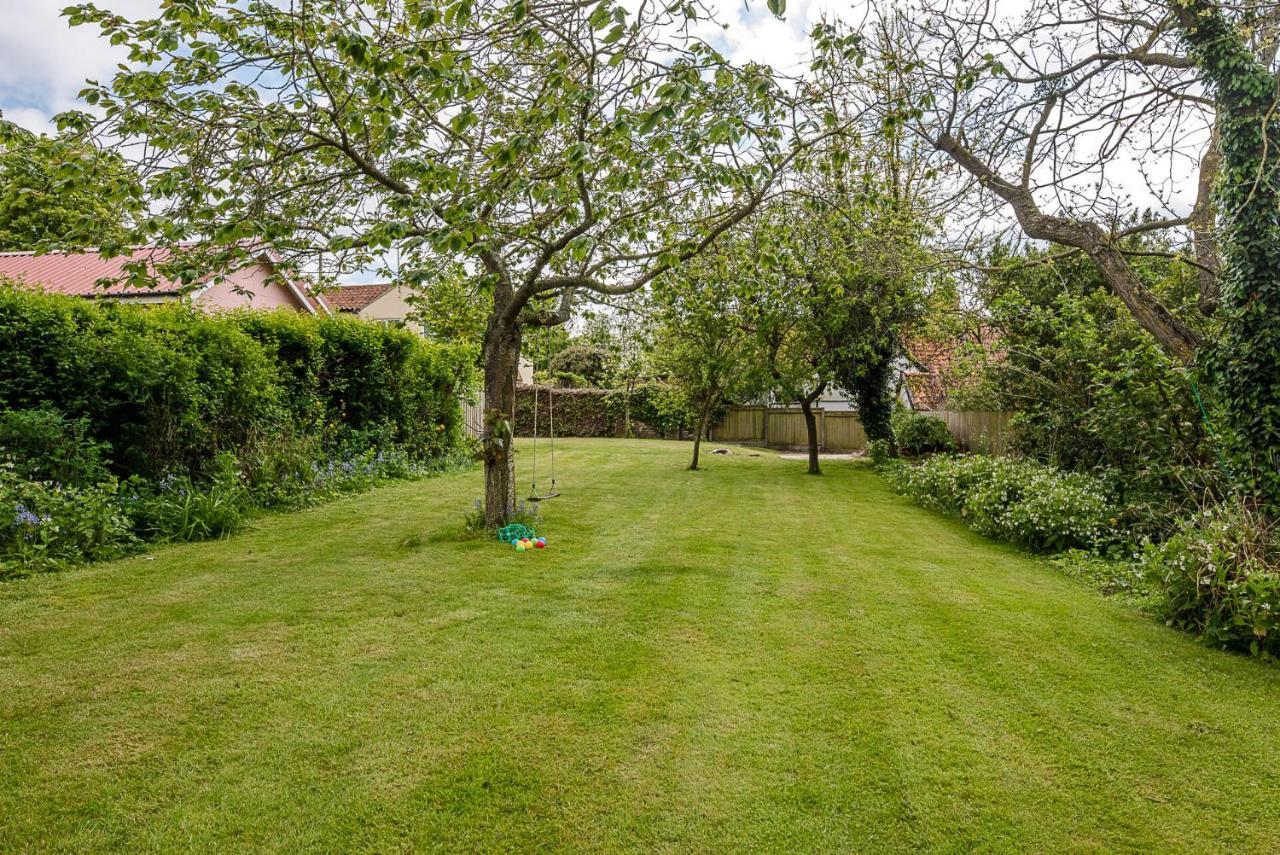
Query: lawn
[741, 658]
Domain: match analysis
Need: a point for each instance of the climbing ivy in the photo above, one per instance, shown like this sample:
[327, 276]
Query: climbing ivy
[1244, 362]
[870, 381]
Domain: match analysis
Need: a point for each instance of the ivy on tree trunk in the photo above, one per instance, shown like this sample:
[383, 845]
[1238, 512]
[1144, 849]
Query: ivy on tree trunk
[1244, 362]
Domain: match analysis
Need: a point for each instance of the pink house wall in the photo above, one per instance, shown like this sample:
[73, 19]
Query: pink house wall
[253, 279]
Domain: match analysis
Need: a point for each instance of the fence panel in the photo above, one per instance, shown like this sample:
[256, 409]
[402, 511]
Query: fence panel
[741, 424]
[473, 416]
[986, 432]
[786, 427]
[844, 432]
[839, 430]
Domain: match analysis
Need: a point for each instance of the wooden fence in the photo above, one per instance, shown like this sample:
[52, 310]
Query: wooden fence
[784, 427]
[982, 431]
[473, 416]
[840, 430]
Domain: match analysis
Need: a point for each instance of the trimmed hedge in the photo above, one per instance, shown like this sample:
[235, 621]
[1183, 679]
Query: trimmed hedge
[169, 388]
[121, 425]
[656, 410]
[578, 412]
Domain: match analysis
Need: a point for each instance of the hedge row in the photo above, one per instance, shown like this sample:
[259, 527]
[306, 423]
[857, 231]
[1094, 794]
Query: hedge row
[168, 389]
[655, 409]
[1030, 504]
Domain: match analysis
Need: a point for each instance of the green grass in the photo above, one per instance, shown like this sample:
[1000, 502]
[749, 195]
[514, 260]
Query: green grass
[742, 658]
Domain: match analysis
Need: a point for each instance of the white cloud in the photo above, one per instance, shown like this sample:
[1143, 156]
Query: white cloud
[44, 61]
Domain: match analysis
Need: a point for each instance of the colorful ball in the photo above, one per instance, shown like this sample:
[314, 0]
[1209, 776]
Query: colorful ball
[519, 547]
[541, 544]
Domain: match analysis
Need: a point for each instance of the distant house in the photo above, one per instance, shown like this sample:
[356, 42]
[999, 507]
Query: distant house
[388, 303]
[385, 303]
[79, 274]
[933, 370]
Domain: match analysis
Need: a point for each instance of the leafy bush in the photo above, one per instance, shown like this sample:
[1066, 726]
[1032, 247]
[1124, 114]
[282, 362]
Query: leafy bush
[916, 433]
[1029, 504]
[1091, 390]
[880, 453]
[179, 509]
[43, 445]
[170, 388]
[1220, 577]
[44, 525]
[588, 365]
[661, 408]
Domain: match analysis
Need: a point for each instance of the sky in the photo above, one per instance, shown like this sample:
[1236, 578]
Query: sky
[44, 62]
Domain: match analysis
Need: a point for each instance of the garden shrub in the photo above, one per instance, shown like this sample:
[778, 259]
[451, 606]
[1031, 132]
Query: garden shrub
[44, 525]
[659, 409]
[880, 453]
[43, 445]
[1220, 577]
[917, 433]
[1029, 504]
[207, 417]
[587, 365]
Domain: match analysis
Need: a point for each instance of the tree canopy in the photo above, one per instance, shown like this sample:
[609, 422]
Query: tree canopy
[555, 148]
[61, 191]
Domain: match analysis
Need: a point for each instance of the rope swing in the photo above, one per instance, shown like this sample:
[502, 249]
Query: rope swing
[534, 496]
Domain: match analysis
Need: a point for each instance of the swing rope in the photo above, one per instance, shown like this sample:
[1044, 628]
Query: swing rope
[551, 408]
[533, 483]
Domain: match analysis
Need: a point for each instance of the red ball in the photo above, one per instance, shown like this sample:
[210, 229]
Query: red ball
[540, 544]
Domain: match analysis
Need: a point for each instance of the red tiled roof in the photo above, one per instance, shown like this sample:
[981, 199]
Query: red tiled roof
[353, 298]
[76, 274]
[935, 378]
[927, 390]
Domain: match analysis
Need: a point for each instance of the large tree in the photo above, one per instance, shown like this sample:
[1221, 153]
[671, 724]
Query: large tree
[1076, 116]
[58, 191]
[702, 339]
[1245, 360]
[838, 268]
[1041, 113]
[557, 148]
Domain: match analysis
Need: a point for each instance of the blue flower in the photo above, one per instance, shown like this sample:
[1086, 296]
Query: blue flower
[24, 517]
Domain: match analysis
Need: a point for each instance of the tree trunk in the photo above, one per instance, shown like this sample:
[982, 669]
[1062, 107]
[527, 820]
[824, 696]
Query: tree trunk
[501, 363]
[811, 429]
[703, 417]
[1203, 224]
[1243, 361]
